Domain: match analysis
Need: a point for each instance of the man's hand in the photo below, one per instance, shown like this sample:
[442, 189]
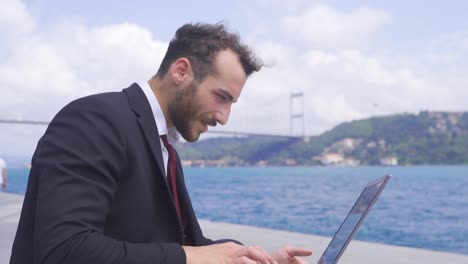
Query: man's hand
[227, 253]
[289, 255]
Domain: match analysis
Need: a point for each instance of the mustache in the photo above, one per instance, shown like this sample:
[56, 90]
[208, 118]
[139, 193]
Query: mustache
[211, 122]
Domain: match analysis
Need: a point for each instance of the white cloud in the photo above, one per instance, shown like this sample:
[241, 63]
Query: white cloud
[325, 27]
[317, 57]
[15, 22]
[43, 70]
[73, 61]
[338, 86]
[449, 49]
[335, 109]
[283, 5]
[14, 18]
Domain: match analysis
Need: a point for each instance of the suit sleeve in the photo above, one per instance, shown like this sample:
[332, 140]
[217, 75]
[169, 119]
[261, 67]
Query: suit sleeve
[78, 163]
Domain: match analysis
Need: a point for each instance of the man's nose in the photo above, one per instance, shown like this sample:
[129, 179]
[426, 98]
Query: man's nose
[223, 115]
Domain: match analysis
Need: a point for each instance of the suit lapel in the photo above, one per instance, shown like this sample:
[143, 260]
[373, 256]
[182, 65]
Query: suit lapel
[155, 145]
[142, 109]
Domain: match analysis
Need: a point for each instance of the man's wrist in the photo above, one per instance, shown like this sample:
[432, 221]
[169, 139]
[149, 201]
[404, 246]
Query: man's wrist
[188, 254]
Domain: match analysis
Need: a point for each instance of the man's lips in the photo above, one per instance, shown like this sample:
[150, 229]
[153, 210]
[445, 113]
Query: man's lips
[204, 128]
[211, 123]
[207, 123]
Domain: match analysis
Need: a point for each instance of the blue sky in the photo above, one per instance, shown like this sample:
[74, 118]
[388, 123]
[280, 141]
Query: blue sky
[414, 22]
[352, 59]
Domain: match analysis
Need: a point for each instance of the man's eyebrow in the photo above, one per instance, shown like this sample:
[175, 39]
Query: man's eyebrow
[227, 94]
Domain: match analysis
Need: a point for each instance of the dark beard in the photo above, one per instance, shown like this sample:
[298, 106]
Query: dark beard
[182, 112]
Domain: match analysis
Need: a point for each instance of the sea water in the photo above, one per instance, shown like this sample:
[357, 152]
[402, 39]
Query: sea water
[422, 206]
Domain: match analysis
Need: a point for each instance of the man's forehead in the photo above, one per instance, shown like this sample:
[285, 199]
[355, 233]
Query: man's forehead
[230, 59]
[230, 71]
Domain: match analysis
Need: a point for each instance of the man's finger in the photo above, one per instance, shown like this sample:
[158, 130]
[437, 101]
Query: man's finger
[246, 260]
[300, 252]
[268, 256]
[299, 261]
[254, 254]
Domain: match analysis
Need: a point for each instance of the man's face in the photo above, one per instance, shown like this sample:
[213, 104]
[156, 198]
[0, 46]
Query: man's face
[199, 105]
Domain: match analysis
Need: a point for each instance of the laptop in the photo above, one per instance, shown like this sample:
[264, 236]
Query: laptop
[353, 221]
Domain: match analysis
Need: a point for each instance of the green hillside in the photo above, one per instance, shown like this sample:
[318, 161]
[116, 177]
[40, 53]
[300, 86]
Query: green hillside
[426, 138]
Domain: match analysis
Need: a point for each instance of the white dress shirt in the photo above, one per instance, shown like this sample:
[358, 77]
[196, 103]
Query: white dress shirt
[172, 134]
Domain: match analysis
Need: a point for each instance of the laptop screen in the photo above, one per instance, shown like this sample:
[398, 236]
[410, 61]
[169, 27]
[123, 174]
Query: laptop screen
[352, 222]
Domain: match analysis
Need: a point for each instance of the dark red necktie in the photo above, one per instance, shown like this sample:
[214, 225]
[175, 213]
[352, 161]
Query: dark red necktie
[171, 179]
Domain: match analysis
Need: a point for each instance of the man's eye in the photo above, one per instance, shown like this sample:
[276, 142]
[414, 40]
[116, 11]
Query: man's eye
[220, 98]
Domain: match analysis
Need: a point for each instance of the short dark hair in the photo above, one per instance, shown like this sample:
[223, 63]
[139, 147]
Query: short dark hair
[200, 43]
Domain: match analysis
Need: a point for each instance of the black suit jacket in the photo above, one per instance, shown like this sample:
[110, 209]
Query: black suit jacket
[97, 191]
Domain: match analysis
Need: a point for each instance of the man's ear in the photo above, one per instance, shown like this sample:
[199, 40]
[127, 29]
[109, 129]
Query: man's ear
[181, 70]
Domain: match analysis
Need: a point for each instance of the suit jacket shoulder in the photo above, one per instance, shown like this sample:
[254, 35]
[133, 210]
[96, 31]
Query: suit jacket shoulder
[96, 193]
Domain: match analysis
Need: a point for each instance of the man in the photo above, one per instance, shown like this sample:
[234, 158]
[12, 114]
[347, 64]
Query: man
[4, 176]
[106, 186]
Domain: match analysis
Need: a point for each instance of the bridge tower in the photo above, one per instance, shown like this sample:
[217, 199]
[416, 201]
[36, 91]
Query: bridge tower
[296, 113]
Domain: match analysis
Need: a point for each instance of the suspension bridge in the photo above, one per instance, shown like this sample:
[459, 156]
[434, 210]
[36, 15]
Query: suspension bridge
[215, 132]
[296, 114]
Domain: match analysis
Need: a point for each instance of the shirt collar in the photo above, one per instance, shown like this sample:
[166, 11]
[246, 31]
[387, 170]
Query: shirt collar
[172, 134]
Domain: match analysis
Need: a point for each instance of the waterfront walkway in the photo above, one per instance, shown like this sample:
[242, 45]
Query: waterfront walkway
[357, 253]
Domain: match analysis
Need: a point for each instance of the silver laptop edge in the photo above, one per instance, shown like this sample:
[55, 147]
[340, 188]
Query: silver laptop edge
[333, 252]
